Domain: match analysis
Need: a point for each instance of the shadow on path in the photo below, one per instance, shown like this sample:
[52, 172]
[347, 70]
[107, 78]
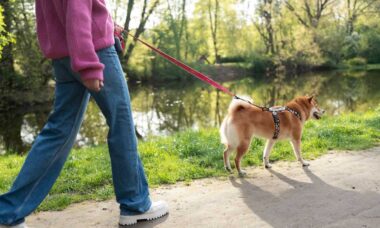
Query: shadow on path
[304, 204]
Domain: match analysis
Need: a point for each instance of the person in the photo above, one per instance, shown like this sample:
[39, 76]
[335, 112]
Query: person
[78, 37]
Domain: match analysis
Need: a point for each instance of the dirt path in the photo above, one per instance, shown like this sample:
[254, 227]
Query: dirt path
[337, 190]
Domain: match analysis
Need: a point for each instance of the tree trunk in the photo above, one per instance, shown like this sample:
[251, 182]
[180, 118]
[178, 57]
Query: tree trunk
[141, 28]
[213, 16]
[129, 12]
[177, 30]
[354, 9]
[6, 62]
[266, 30]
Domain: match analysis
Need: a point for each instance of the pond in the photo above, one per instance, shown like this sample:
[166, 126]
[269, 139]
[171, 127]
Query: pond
[169, 108]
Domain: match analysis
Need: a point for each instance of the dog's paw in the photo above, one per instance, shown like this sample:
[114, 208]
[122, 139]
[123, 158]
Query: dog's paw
[228, 169]
[242, 173]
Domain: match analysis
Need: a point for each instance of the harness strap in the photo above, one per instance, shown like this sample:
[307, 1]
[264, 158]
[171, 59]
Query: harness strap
[276, 125]
[276, 119]
[294, 112]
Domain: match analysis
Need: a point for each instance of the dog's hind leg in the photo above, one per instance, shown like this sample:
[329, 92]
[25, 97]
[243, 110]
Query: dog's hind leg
[296, 143]
[226, 156]
[268, 148]
[241, 150]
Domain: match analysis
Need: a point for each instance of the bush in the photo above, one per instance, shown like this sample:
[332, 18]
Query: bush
[232, 59]
[357, 61]
[262, 64]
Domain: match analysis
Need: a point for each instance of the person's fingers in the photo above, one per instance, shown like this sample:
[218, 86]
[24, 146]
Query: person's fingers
[97, 86]
[93, 85]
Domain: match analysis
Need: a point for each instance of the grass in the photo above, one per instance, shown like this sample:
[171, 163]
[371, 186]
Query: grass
[367, 67]
[191, 155]
[373, 66]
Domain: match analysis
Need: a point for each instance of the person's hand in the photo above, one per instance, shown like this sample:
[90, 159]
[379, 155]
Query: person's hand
[119, 29]
[93, 84]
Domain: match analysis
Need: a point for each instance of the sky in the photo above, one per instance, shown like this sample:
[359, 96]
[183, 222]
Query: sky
[244, 9]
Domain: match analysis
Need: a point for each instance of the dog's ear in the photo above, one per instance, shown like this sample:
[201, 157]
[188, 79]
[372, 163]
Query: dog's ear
[310, 99]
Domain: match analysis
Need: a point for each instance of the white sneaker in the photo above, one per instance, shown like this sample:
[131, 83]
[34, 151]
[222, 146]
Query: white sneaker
[21, 225]
[157, 210]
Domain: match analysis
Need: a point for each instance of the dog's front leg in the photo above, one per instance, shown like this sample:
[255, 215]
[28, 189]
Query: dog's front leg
[268, 148]
[296, 143]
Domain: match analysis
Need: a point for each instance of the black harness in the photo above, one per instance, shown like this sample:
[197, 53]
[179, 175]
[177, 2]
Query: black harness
[276, 119]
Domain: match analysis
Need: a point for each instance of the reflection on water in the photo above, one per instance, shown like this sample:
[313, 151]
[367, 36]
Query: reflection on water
[165, 109]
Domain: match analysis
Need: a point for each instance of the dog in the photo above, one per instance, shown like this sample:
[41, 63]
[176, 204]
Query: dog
[245, 120]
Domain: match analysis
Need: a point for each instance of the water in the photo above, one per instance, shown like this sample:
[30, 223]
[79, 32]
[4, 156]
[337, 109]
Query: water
[169, 108]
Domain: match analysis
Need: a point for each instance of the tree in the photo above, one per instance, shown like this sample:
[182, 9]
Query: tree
[177, 23]
[213, 12]
[22, 66]
[311, 11]
[5, 37]
[354, 9]
[146, 12]
[264, 24]
[33, 66]
[6, 62]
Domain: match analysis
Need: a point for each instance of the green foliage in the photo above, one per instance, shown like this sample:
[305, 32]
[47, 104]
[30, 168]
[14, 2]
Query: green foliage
[232, 59]
[191, 155]
[370, 41]
[5, 37]
[358, 61]
[30, 71]
[262, 64]
[183, 30]
[352, 45]
[270, 35]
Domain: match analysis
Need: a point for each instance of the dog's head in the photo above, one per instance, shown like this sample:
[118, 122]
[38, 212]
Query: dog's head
[310, 105]
[315, 112]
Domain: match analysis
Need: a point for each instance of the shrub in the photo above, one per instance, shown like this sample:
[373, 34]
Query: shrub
[262, 64]
[232, 59]
[357, 61]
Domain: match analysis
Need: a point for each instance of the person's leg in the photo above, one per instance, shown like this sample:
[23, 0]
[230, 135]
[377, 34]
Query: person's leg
[131, 187]
[49, 151]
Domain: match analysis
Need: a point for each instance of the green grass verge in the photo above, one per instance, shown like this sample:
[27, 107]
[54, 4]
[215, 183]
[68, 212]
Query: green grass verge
[191, 155]
[366, 67]
[373, 66]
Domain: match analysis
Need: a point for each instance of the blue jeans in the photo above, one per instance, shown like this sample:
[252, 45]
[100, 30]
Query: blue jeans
[52, 146]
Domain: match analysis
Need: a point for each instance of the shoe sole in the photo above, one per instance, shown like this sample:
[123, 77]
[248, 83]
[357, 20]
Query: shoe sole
[133, 220]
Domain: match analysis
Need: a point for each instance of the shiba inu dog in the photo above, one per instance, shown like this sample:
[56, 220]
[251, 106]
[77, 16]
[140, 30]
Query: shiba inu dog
[245, 121]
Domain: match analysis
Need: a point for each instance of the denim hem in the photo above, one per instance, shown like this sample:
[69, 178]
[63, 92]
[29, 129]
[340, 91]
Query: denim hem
[14, 223]
[146, 207]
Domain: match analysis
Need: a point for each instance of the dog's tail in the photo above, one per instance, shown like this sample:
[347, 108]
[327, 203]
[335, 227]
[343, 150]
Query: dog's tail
[237, 105]
[223, 131]
[228, 134]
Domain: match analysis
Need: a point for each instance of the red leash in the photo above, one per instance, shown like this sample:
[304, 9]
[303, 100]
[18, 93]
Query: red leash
[184, 66]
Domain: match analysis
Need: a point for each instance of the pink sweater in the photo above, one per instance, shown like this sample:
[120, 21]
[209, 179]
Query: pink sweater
[75, 28]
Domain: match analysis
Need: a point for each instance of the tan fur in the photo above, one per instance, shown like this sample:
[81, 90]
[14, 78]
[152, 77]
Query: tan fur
[245, 121]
